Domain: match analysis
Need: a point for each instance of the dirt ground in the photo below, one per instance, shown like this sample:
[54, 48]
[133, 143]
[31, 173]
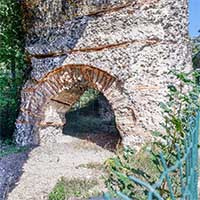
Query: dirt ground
[31, 175]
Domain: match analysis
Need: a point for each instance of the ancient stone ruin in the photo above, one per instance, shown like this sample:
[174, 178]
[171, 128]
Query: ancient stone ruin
[123, 48]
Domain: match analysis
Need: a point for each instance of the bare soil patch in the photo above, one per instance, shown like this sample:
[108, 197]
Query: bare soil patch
[41, 168]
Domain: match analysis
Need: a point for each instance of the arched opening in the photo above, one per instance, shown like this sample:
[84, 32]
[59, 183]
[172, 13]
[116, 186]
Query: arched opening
[92, 119]
[81, 112]
[45, 104]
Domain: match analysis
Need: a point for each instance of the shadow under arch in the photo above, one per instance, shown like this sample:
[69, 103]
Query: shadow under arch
[54, 95]
[92, 119]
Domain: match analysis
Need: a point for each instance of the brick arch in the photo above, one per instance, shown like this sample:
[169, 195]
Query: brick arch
[44, 105]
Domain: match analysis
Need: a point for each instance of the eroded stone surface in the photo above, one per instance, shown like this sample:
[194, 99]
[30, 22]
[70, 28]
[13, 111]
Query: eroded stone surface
[123, 48]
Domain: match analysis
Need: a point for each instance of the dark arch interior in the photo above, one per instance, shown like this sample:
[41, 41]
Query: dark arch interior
[92, 118]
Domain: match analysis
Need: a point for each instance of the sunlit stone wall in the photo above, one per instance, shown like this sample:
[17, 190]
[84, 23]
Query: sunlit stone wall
[124, 48]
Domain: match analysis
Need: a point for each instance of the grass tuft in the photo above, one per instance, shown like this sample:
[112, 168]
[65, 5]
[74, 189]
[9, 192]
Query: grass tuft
[92, 165]
[10, 148]
[74, 188]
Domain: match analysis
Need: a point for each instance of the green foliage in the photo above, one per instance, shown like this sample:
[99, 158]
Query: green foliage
[59, 191]
[88, 97]
[12, 64]
[74, 188]
[184, 100]
[128, 163]
[196, 52]
[7, 148]
[183, 104]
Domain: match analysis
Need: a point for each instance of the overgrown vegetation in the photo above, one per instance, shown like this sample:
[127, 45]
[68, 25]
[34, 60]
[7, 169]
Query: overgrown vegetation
[184, 100]
[12, 65]
[125, 164]
[75, 188]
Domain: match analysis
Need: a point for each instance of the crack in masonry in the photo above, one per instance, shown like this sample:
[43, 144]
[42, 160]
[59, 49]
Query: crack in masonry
[46, 124]
[114, 9]
[117, 8]
[61, 102]
[152, 41]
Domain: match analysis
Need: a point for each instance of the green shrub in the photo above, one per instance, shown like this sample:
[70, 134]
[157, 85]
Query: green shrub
[12, 64]
[146, 166]
[128, 163]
